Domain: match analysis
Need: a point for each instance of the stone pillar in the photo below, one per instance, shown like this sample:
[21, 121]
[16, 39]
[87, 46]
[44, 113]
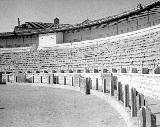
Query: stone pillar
[133, 102]
[111, 87]
[96, 83]
[126, 95]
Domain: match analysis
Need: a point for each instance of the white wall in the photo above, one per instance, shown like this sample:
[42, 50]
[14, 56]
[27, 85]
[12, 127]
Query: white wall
[47, 40]
[50, 39]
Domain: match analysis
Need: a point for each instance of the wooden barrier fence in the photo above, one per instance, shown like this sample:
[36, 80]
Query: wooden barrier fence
[106, 83]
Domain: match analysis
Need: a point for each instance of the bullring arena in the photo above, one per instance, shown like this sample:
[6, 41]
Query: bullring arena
[113, 61]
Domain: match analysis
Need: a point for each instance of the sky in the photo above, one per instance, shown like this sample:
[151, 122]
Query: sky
[68, 11]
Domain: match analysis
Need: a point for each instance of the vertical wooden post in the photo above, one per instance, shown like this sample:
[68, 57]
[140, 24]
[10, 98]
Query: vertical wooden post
[8, 78]
[142, 117]
[118, 91]
[16, 79]
[111, 87]
[49, 79]
[148, 117]
[153, 120]
[104, 85]
[64, 80]
[87, 86]
[33, 79]
[55, 77]
[90, 80]
[133, 102]
[126, 95]
[57, 80]
[142, 100]
[72, 81]
[41, 79]
[79, 81]
[96, 83]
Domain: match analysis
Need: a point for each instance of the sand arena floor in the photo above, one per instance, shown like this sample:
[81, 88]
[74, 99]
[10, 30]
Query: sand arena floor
[44, 106]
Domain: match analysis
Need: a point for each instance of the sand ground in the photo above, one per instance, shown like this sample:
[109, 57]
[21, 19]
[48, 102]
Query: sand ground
[44, 106]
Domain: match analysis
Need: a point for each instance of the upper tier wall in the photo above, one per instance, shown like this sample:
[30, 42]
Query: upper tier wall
[128, 24]
[135, 49]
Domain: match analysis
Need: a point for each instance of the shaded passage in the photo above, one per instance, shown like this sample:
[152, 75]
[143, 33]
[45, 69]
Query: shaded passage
[42, 106]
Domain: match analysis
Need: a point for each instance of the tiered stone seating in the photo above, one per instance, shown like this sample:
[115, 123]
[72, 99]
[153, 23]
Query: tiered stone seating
[136, 49]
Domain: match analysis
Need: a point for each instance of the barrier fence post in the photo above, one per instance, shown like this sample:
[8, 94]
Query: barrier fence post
[96, 83]
[142, 117]
[72, 80]
[87, 86]
[111, 87]
[133, 102]
[104, 85]
[64, 80]
[33, 78]
[8, 78]
[57, 80]
[49, 79]
[126, 95]
[16, 79]
[150, 118]
[143, 103]
[118, 91]
[90, 83]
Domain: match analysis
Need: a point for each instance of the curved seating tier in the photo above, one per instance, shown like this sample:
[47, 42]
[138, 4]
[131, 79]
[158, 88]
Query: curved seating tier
[135, 49]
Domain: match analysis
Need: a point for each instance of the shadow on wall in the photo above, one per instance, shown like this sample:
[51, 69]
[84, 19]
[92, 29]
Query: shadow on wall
[157, 70]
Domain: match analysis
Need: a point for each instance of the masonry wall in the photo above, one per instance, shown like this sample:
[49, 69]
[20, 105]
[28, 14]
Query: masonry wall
[18, 41]
[136, 22]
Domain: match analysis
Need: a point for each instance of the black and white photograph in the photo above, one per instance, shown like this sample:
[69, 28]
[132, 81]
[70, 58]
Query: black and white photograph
[79, 63]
